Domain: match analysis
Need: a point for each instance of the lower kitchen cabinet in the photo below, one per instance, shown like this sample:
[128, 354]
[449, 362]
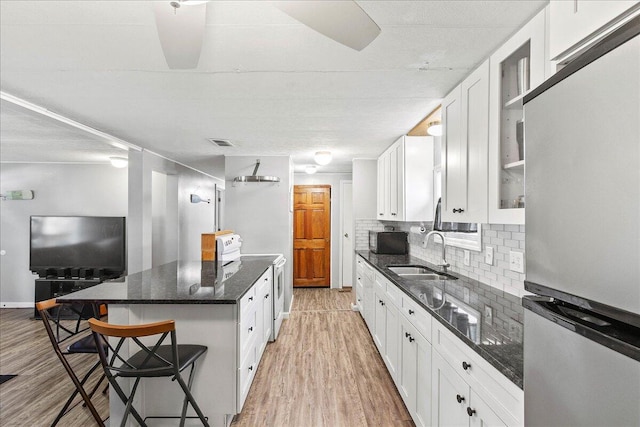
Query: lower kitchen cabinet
[455, 403]
[442, 381]
[414, 374]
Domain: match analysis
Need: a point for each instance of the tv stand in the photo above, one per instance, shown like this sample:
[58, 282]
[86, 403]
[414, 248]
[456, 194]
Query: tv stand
[53, 287]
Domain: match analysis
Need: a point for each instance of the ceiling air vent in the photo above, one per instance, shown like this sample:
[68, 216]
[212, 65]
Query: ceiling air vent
[221, 142]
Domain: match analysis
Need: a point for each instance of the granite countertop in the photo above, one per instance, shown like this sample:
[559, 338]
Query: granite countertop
[499, 340]
[180, 282]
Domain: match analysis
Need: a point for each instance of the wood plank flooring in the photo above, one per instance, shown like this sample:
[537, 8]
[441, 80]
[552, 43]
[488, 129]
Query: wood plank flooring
[42, 386]
[323, 370]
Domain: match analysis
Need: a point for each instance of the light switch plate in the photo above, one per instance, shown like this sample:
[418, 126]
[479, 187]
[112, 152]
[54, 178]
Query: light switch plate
[488, 255]
[516, 261]
[467, 257]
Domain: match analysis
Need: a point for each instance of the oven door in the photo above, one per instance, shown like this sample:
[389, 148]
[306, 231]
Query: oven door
[278, 291]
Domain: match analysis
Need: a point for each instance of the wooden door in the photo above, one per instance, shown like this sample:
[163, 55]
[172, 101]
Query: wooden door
[311, 235]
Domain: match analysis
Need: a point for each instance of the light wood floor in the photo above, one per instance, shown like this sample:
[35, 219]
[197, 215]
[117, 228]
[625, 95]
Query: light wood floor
[35, 396]
[323, 370]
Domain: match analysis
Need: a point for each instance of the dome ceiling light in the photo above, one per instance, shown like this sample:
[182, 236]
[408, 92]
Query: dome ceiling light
[322, 157]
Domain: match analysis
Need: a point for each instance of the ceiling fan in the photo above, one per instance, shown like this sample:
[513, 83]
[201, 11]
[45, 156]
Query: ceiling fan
[181, 28]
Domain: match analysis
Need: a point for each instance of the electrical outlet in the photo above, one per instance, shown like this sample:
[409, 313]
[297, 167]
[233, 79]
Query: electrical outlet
[467, 257]
[516, 261]
[515, 330]
[488, 315]
[488, 255]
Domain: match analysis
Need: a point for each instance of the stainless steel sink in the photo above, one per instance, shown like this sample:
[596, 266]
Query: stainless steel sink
[410, 269]
[419, 272]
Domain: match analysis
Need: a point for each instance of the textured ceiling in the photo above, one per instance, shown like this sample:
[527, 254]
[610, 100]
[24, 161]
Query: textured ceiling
[265, 82]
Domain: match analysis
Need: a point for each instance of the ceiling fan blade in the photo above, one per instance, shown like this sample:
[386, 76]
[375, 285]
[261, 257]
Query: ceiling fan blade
[181, 32]
[341, 20]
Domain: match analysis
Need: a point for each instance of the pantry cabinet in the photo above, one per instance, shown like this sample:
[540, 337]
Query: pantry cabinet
[574, 25]
[465, 138]
[405, 180]
[516, 67]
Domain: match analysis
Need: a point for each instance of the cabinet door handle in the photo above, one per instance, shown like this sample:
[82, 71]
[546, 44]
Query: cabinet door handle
[458, 210]
[411, 311]
[459, 398]
[251, 368]
[266, 296]
[411, 339]
[406, 334]
[470, 411]
[250, 328]
[393, 213]
[380, 214]
[465, 365]
[250, 298]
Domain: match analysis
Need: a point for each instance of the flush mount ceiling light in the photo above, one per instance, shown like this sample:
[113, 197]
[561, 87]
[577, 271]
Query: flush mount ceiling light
[434, 128]
[119, 162]
[311, 169]
[322, 157]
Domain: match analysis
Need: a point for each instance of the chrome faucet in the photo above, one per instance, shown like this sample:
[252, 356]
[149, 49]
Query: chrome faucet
[444, 264]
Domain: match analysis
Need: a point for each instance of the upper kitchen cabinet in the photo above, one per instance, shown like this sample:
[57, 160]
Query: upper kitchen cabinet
[465, 138]
[516, 67]
[405, 180]
[575, 25]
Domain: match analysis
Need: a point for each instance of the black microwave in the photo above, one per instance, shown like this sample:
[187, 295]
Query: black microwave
[388, 242]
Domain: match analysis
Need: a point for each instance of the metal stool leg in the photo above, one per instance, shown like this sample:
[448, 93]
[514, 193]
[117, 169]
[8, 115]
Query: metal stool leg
[188, 396]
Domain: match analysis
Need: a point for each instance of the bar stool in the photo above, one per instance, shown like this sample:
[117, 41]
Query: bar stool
[68, 332]
[158, 360]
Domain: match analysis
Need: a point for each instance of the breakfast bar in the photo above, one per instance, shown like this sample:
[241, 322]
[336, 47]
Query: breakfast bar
[224, 307]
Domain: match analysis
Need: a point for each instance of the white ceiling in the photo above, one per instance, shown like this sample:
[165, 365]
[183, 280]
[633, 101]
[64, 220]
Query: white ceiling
[267, 83]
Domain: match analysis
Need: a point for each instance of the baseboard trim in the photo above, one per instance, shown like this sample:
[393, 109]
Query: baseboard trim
[17, 305]
[285, 314]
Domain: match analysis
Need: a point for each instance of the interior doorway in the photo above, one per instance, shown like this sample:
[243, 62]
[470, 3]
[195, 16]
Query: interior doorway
[311, 235]
[346, 229]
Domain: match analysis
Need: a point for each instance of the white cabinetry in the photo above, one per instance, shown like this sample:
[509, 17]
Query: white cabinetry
[365, 282]
[455, 403]
[465, 118]
[405, 180]
[465, 386]
[254, 330]
[516, 67]
[574, 25]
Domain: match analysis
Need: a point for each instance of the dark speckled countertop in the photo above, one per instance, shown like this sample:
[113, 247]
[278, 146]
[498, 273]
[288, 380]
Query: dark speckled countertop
[180, 282]
[498, 340]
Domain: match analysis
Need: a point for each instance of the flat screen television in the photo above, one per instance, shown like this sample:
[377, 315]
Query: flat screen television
[75, 245]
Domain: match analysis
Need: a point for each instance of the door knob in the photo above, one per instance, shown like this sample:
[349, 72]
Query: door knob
[346, 235]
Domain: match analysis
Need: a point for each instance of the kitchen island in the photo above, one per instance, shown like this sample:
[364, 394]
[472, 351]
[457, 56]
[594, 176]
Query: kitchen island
[225, 307]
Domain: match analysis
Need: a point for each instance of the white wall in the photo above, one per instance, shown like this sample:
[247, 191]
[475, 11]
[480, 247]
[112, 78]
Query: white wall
[60, 189]
[192, 219]
[332, 179]
[260, 211]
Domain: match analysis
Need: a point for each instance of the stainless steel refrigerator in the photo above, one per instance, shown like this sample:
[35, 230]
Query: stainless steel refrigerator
[582, 187]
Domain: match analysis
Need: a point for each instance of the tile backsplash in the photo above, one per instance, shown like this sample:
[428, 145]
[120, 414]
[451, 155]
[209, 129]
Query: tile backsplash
[502, 237]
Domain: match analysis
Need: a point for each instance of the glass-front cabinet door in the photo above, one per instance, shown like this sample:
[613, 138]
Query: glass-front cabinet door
[516, 68]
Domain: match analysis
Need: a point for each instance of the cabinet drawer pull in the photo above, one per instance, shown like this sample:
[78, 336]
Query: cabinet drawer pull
[470, 411]
[466, 365]
[458, 210]
[459, 398]
[380, 214]
[393, 213]
[411, 311]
